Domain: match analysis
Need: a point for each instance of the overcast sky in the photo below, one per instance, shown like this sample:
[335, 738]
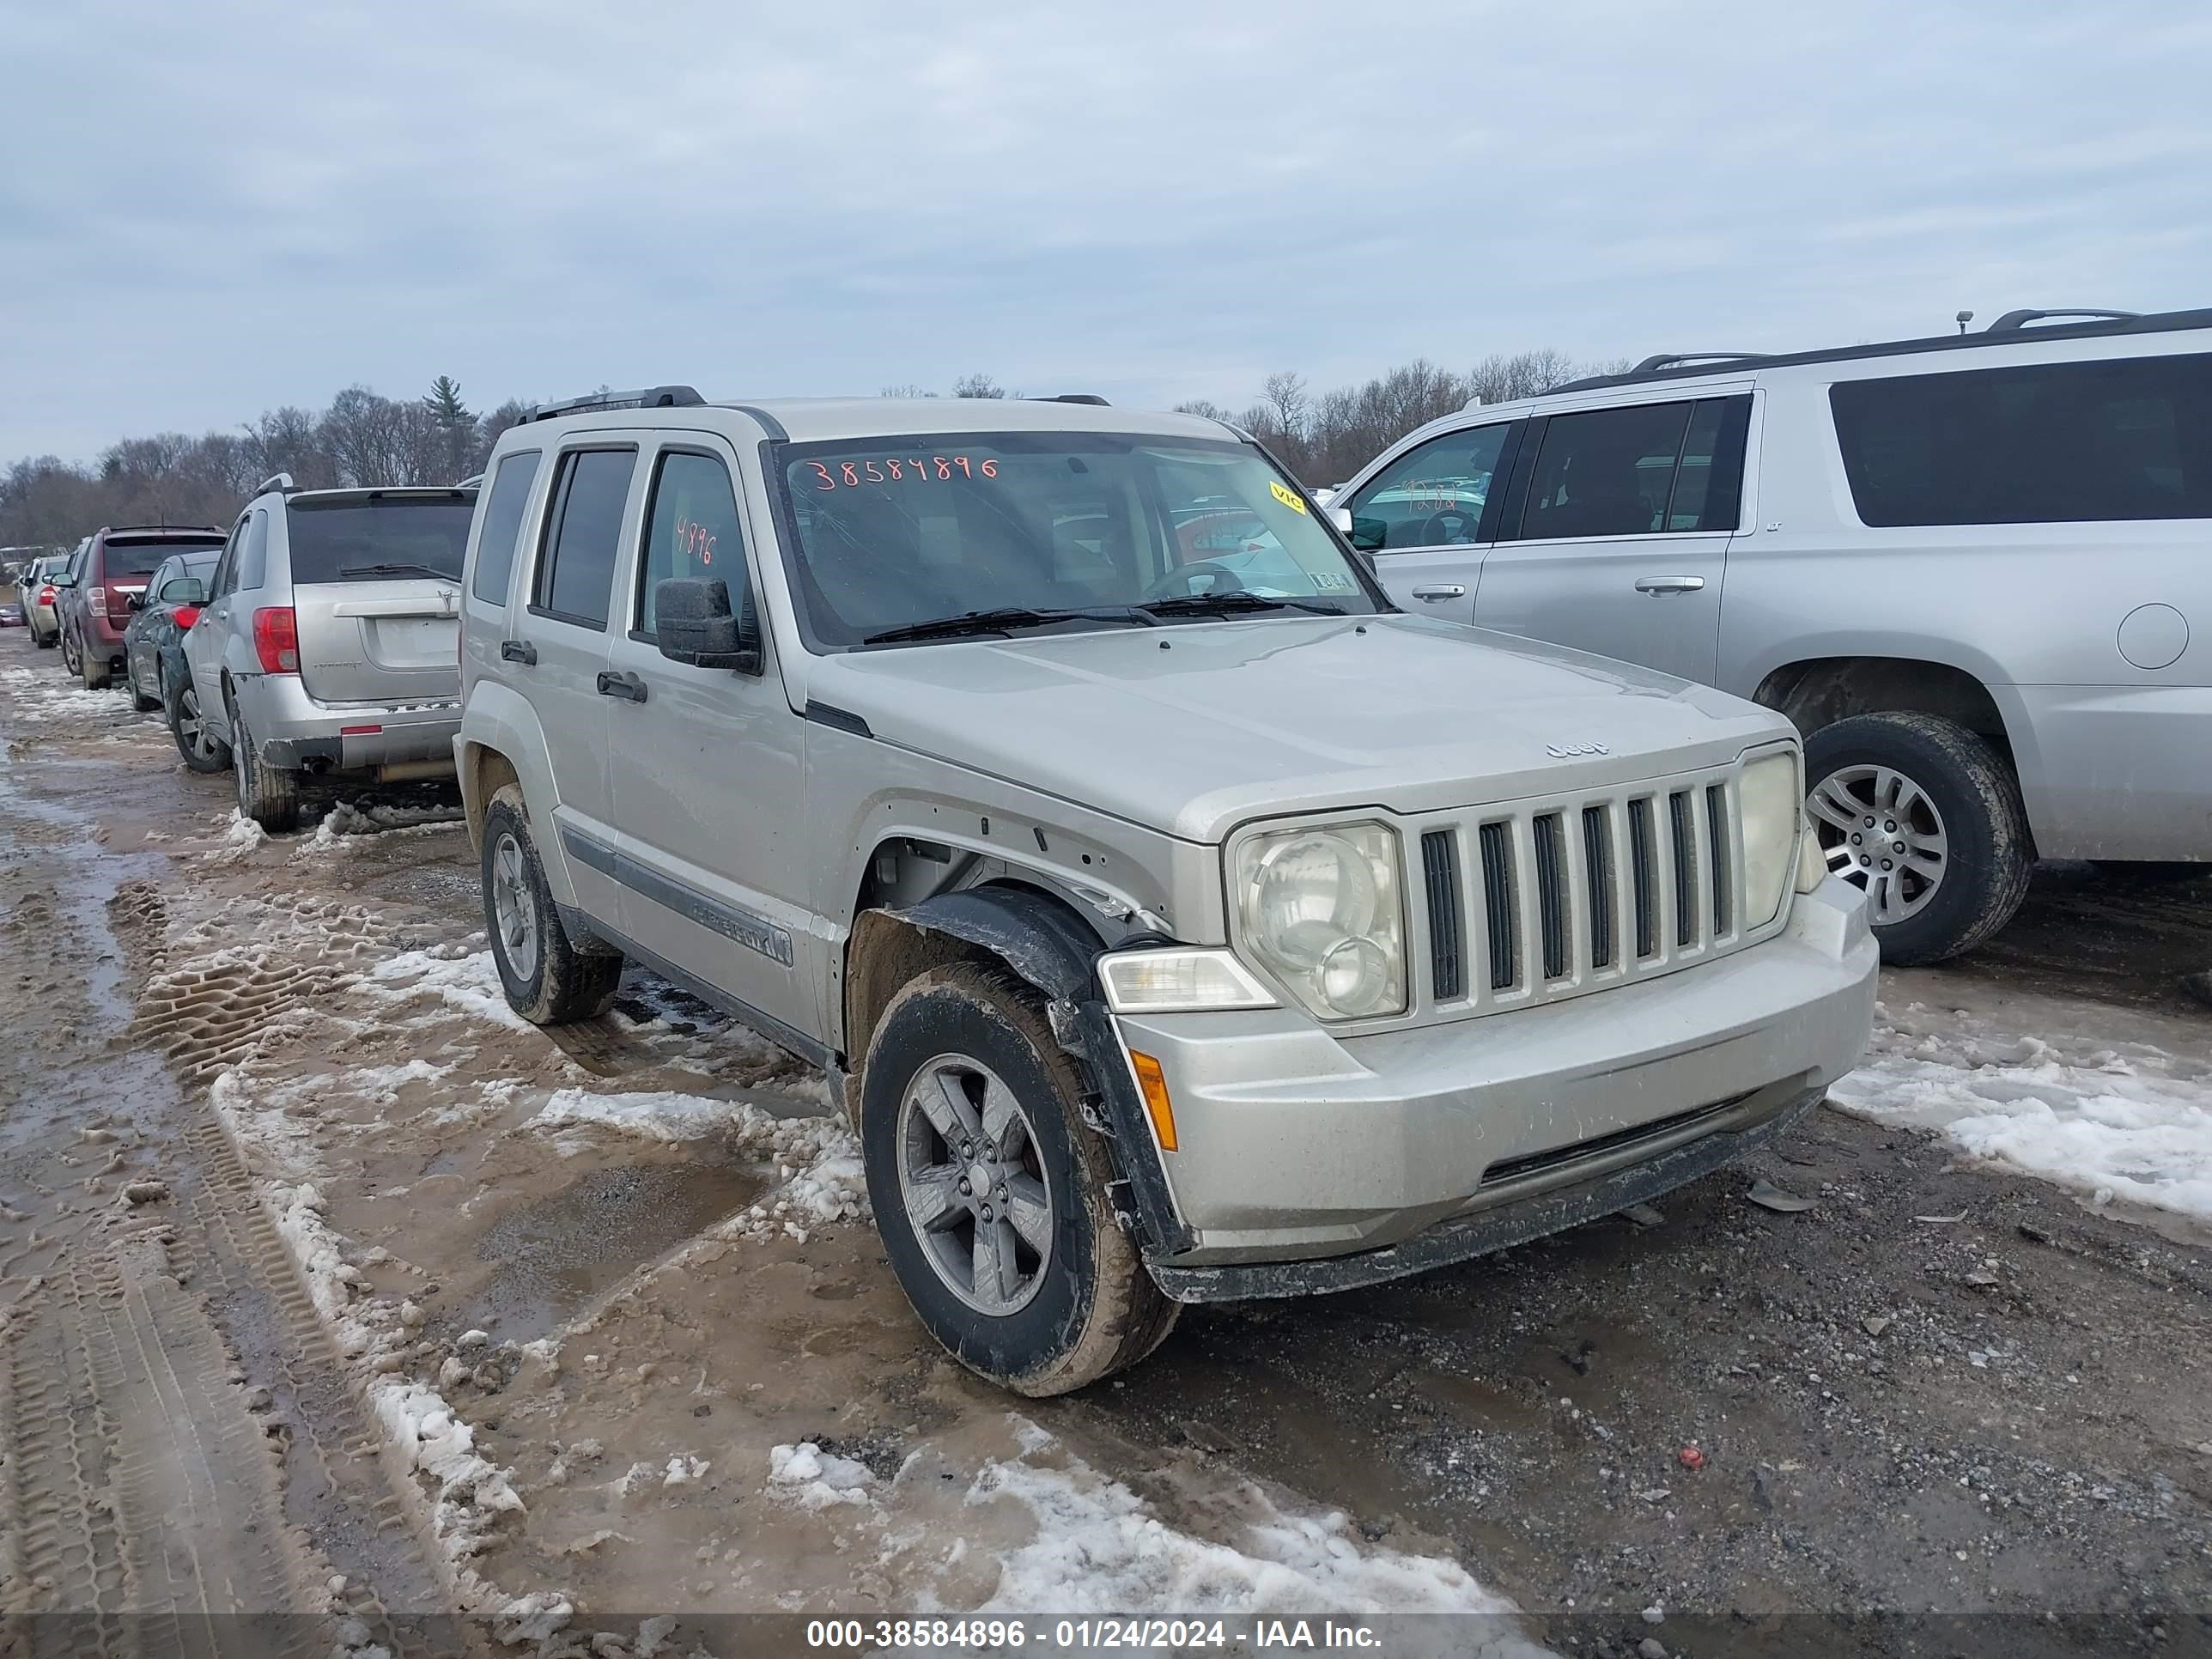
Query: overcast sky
[212, 209]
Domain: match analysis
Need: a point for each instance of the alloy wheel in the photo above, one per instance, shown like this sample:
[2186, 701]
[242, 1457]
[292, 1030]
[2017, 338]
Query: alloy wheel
[513, 907]
[1881, 831]
[973, 1183]
[191, 726]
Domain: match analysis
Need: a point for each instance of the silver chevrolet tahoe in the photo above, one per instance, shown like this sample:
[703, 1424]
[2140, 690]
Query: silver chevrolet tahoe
[1972, 569]
[1175, 919]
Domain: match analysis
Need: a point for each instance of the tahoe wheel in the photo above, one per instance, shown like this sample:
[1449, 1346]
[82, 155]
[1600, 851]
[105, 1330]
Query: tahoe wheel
[547, 981]
[990, 1190]
[269, 795]
[201, 749]
[1926, 817]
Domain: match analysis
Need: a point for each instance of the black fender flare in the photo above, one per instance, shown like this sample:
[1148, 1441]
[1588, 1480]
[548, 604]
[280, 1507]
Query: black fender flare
[1051, 948]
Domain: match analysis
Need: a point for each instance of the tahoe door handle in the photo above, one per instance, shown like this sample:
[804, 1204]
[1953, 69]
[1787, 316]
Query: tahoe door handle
[519, 651]
[628, 687]
[1669, 584]
[1437, 593]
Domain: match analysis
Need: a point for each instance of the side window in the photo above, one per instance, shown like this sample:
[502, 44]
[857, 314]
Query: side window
[253, 553]
[1432, 496]
[2040, 443]
[225, 567]
[1606, 471]
[691, 530]
[502, 525]
[576, 567]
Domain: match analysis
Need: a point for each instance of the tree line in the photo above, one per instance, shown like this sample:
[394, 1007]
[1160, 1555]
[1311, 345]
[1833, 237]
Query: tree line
[365, 438]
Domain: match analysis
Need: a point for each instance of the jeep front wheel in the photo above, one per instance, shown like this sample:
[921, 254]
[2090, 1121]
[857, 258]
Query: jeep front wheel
[547, 979]
[1926, 817]
[990, 1190]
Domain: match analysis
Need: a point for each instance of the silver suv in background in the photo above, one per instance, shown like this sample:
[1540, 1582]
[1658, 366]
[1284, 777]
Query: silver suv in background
[39, 594]
[1976, 570]
[330, 641]
[1176, 920]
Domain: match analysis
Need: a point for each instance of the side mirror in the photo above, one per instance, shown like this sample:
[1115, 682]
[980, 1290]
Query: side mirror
[692, 616]
[1342, 518]
[136, 601]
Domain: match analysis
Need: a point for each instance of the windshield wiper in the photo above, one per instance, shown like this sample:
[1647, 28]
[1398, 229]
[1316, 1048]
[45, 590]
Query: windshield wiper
[396, 570]
[1006, 617]
[1238, 598]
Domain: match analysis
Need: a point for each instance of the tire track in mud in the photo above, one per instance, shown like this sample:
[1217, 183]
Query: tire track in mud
[184, 1464]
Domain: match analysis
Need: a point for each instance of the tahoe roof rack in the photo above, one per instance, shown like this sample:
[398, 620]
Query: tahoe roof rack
[1684, 359]
[1092, 397]
[651, 397]
[2013, 319]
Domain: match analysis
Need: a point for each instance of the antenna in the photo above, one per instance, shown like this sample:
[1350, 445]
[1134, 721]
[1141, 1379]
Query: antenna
[1962, 319]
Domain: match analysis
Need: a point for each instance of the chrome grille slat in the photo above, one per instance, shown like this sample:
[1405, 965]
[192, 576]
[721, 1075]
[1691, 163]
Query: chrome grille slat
[1553, 897]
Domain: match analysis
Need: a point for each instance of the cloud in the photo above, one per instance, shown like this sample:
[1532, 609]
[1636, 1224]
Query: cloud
[217, 209]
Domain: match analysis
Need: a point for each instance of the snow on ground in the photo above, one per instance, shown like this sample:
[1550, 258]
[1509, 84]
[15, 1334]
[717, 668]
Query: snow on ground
[241, 836]
[2113, 1121]
[463, 979]
[346, 826]
[40, 699]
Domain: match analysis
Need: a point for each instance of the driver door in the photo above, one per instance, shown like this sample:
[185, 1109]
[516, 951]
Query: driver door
[1429, 516]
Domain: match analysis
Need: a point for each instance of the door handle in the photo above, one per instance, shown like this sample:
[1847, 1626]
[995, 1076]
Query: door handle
[1657, 584]
[519, 651]
[628, 687]
[1438, 592]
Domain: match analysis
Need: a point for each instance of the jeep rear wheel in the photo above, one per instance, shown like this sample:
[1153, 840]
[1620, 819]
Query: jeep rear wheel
[990, 1189]
[1926, 817]
[547, 979]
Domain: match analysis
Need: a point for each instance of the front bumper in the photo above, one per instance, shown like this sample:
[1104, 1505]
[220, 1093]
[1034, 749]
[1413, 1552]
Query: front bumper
[291, 730]
[1309, 1163]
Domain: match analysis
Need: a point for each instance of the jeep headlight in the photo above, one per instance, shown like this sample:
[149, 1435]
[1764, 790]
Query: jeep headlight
[1322, 911]
[1773, 822]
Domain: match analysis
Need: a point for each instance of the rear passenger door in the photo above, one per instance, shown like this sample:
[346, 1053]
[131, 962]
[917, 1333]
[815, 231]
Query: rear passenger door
[590, 511]
[1615, 531]
[203, 645]
[708, 764]
[1428, 517]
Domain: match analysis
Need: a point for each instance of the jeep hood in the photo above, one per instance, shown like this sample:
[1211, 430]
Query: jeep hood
[1192, 730]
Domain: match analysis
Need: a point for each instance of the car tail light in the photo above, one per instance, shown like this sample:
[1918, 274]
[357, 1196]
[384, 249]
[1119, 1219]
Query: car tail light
[187, 615]
[276, 640]
[46, 596]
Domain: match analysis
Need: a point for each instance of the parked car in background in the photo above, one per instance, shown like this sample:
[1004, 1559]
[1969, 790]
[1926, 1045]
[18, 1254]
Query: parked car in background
[111, 566]
[330, 641]
[1972, 568]
[36, 591]
[1167, 940]
[11, 615]
[153, 647]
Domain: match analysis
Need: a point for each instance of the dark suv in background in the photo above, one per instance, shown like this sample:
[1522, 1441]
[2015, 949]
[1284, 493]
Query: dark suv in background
[112, 567]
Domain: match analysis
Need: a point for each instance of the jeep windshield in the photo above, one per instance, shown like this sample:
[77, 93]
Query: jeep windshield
[907, 540]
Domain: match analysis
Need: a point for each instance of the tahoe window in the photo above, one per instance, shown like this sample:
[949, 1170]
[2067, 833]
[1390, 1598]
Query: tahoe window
[1646, 469]
[691, 531]
[1432, 496]
[894, 531]
[383, 539]
[2041, 443]
[577, 572]
[502, 525]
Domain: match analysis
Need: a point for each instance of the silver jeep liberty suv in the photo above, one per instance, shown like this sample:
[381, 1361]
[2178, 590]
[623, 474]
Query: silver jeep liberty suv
[1175, 919]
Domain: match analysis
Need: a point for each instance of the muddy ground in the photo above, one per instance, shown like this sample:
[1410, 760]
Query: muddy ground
[328, 1287]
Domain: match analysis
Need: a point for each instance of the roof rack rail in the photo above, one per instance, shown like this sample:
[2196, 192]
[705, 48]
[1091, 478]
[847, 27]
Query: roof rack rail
[651, 397]
[1090, 397]
[474, 481]
[2013, 321]
[1677, 359]
[275, 481]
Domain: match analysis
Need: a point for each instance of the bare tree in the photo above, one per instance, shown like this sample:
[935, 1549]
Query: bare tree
[977, 386]
[1204, 408]
[909, 390]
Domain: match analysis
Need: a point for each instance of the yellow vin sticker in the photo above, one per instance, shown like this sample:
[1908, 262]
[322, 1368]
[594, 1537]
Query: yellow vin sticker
[1288, 496]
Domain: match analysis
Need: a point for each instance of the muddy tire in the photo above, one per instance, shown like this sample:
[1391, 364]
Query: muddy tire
[139, 700]
[92, 669]
[990, 1190]
[45, 641]
[1943, 843]
[547, 981]
[72, 661]
[201, 749]
[269, 795]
